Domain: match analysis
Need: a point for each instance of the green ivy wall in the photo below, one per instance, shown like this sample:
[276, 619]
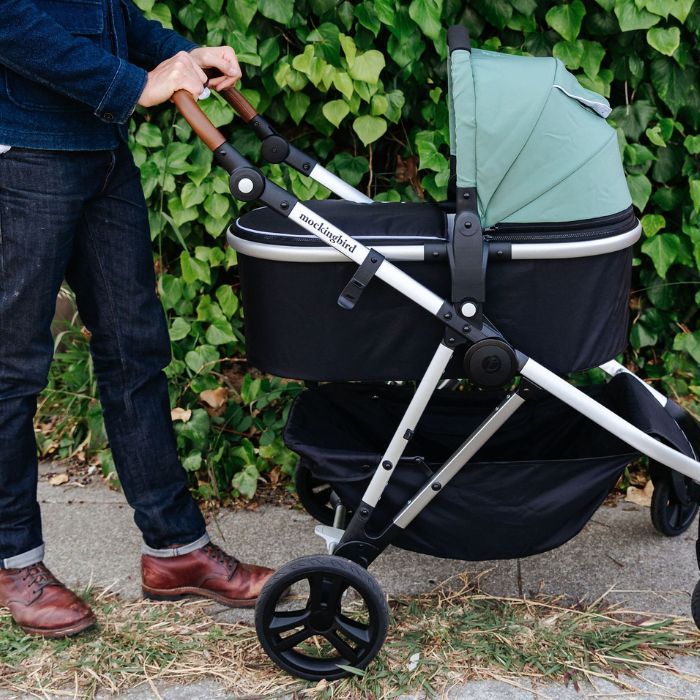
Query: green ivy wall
[362, 86]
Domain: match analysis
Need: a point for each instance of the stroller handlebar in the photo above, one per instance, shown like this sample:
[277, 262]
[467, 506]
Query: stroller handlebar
[195, 117]
[235, 98]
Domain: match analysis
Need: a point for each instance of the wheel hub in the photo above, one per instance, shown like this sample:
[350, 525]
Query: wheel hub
[321, 621]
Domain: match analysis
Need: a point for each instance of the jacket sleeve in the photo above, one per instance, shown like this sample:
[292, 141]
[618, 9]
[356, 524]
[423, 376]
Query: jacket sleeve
[150, 43]
[36, 46]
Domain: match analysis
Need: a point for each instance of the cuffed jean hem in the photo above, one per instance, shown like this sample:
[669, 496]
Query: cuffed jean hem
[33, 556]
[176, 551]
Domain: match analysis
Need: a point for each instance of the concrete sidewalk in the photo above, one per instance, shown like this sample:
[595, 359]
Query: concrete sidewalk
[91, 538]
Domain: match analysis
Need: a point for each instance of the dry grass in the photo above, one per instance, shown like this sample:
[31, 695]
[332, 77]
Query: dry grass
[437, 640]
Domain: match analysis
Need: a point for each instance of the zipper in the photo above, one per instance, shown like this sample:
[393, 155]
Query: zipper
[550, 232]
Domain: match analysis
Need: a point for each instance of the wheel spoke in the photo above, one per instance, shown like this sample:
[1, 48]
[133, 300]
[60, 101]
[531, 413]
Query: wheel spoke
[356, 631]
[342, 647]
[674, 515]
[288, 620]
[326, 590]
[292, 640]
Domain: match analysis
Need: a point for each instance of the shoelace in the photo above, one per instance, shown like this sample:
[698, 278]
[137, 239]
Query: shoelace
[39, 577]
[219, 555]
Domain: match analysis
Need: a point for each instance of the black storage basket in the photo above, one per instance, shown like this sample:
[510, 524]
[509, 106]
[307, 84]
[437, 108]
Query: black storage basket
[568, 314]
[531, 488]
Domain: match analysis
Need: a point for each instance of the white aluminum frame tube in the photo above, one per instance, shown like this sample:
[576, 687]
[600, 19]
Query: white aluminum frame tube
[410, 419]
[455, 463]
[610, 421]
[354, 250]
[337, 186]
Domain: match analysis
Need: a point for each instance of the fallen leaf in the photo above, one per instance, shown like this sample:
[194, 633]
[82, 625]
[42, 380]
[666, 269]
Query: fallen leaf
[641, 497]
[215, 398]
[183, 414]
[58, 479]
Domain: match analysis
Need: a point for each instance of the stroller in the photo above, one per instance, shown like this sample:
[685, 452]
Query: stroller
[523, 275]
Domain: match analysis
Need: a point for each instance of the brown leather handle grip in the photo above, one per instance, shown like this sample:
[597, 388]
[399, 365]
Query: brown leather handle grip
[199, 121]
[246, 110]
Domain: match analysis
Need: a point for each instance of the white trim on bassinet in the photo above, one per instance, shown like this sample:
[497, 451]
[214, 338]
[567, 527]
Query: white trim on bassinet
[417, 253]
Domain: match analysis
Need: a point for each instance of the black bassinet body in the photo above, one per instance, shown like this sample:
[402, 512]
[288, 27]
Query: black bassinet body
[568, 313]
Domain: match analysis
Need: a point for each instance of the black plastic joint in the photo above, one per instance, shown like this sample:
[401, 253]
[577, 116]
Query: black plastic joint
[458, 38]
[274, 149]
[229, 158]
[300, 161]
[261, 127]
[362, 277]
[435, 252]
[408, 435]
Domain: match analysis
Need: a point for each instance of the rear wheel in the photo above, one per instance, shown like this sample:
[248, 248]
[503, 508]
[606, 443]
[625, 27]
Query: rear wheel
[695, 605]
[337, 617]
[670, 515]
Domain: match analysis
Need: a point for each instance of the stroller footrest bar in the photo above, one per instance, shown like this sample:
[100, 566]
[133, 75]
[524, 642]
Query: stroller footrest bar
[362, 277]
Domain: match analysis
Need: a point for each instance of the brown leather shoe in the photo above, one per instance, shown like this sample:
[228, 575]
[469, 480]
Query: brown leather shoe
[40, 604]
[208, 572]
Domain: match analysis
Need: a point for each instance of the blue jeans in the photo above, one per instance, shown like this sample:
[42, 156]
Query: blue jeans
[82, 216]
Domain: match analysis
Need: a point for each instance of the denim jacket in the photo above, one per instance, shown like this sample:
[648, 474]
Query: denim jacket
[72, 71]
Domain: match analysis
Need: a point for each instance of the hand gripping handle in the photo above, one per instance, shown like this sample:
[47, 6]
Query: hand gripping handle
[246, 110]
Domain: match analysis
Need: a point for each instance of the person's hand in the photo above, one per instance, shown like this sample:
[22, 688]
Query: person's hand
[181, 72]
[221, 57]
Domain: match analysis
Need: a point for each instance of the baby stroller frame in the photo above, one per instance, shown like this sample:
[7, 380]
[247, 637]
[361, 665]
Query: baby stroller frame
[489, 360]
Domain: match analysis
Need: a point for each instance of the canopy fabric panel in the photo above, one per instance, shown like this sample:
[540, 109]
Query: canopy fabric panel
[532, 141]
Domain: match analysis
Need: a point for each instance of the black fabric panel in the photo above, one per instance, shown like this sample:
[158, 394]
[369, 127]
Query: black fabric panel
[531, 488]
[379, 221]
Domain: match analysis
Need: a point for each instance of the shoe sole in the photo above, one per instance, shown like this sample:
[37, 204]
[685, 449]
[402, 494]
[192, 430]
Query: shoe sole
[61, 632]
[171, 594]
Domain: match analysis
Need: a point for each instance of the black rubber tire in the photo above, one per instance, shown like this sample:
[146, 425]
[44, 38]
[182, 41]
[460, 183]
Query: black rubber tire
[314, 494]
[669, 516]
[329, 577]
[695, 605]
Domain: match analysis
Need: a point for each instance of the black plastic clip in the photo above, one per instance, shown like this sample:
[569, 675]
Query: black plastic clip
[362, 277]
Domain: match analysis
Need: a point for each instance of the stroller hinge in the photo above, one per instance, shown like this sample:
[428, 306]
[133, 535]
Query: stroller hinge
[468, 255]
[362, 277]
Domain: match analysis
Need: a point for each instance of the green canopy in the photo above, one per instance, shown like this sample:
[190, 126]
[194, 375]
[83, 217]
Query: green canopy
[532, 141]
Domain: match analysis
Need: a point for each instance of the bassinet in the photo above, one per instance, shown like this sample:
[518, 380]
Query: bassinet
[557, 219]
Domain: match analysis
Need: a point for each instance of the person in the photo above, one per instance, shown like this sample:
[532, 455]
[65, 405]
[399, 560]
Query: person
[71, 206]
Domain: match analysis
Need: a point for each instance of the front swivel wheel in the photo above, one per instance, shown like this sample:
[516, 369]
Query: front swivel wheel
[337, 617]
[671, 515]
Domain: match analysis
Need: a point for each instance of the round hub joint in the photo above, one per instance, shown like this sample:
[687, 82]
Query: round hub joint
[490, 362]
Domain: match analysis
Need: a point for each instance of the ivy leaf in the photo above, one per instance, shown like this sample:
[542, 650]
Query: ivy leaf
[688, 342]
[569, 52]
[297, 103]
[351, 168]
[633, 119]
[220, 333]
[692, 144]
[179, 329]
[430, 157]
[652, 224]
[227, 299]
[694, 186]
[496, 12]
[426, 14]
[593, 54]
[663, 249]
[640, 190]
[343, 84]
[676, 86]
[242, 12]
[680, 9]
[566, 19]
[631, 17]
[369, 128]
[665, 41]
[367, 66]
[149, 135]
[246, 481]
[335, 111]
[277, 10]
